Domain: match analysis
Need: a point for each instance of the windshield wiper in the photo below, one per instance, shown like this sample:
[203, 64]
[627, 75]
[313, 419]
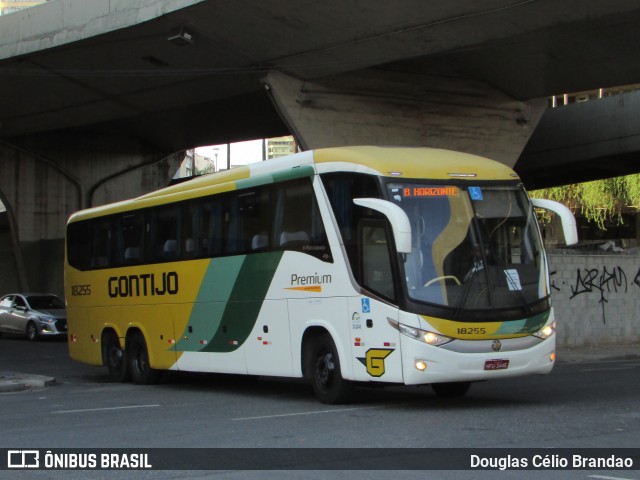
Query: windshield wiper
[465, 292]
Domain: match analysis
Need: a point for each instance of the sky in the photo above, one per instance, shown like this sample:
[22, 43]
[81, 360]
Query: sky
[242, 153]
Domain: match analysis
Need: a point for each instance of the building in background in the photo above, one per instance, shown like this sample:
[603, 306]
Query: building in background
[211, 159]
[195, 164]
[281, 147]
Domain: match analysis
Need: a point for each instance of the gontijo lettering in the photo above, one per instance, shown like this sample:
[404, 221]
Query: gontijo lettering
[146, 284]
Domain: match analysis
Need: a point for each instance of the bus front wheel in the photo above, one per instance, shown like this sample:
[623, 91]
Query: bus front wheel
[141, 371]
[328, 385]
[115, 359]
[452, 389]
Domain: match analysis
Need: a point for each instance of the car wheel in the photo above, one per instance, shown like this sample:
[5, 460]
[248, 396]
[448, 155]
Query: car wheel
[115, 358]
[451, 390]
[328, 384]
[32, 331]
[138, 357]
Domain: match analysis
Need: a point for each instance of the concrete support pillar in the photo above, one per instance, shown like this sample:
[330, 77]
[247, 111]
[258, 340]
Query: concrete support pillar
[378, 107]
[45, 178]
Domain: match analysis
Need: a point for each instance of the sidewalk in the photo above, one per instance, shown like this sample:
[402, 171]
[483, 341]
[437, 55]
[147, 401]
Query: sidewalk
[15, 382]
[596, 353]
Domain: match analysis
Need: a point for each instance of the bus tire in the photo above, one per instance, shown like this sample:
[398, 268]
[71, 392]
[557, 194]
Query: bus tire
[451, 390]
[115, 358]
[138, 356]
[328, 385]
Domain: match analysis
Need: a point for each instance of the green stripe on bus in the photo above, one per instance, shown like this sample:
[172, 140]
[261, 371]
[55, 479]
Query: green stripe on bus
[208, 309]
[294, 173]
[291, 174]
[245, 302]
[526, 325]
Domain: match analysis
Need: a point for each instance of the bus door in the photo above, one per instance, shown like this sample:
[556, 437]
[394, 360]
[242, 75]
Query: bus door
[375, 342]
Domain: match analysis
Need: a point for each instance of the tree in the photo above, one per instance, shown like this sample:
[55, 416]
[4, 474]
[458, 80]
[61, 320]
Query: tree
[597, 201]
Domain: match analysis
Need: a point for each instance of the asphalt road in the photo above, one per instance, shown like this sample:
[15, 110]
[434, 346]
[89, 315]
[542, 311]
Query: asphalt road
[589, 404]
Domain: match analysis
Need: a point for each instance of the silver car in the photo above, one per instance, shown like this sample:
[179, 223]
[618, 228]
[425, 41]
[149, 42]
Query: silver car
[34, 314]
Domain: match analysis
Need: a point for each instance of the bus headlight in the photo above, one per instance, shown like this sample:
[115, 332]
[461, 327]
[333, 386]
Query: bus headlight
[430, 338]
[546, 331]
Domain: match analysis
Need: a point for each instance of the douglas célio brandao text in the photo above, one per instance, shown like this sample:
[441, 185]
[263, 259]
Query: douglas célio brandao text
[549, 461]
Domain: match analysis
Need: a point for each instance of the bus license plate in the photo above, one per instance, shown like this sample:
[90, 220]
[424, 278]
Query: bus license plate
[496, 364]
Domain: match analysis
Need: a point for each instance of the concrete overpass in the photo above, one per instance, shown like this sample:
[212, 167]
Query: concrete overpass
[586, 140]
[97, 96]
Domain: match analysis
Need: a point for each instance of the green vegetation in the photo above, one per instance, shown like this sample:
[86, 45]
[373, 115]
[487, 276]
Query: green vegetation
[597, 201]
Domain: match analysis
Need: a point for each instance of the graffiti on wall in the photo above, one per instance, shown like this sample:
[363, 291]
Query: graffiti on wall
[601, 281]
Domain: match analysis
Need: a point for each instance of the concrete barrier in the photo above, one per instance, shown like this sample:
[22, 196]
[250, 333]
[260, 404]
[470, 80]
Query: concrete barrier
[596, 298]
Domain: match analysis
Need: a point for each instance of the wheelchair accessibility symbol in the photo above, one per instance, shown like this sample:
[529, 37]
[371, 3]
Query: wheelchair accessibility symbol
[366, 306]
[475, 193]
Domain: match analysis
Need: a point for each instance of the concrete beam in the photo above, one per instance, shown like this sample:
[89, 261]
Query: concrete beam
[46, 178]
[584, 141]
[377, 107]
[58, 23]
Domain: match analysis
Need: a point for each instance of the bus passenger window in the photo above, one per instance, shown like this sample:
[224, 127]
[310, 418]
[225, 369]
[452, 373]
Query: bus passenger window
[79, 243]
[130, 238]
[102, 243]
[165, 233]
[189, 221]
[292, 239]
[170, 248]
[250, 222]
[377, 274]
[189, 248]
[210, 223]
[260, 241]
[298, 223]
[131, 255]
[342, 188]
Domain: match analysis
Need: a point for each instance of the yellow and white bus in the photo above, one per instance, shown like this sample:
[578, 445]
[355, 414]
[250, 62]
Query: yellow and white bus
[341, 265]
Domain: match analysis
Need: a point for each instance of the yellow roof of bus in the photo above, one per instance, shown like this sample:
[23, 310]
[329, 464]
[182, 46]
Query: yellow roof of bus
[397, 162]
[417, 162]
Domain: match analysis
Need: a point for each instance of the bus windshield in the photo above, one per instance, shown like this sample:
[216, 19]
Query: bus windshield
[473, 247]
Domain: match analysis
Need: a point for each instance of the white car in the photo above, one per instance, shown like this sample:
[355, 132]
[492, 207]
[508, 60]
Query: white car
[35, 315]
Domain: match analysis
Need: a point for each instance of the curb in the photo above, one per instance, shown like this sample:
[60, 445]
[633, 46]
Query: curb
[17, 382]
[598, 353]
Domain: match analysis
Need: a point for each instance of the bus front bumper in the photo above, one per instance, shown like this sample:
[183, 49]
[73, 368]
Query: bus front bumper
[425, 364]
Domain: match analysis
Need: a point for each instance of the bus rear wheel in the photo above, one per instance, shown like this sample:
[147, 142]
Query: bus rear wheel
[114, 358]
[141, 371]
[328, 385]
[451, 390]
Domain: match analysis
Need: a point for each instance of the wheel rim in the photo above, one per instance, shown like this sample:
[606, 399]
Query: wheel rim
[325, 371]
[31, 331]
[140, 362]
[114, 357]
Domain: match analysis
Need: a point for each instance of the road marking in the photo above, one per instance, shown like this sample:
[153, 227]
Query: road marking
[608, 369]
[315, 412]
[106, 408]
[602, 477]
